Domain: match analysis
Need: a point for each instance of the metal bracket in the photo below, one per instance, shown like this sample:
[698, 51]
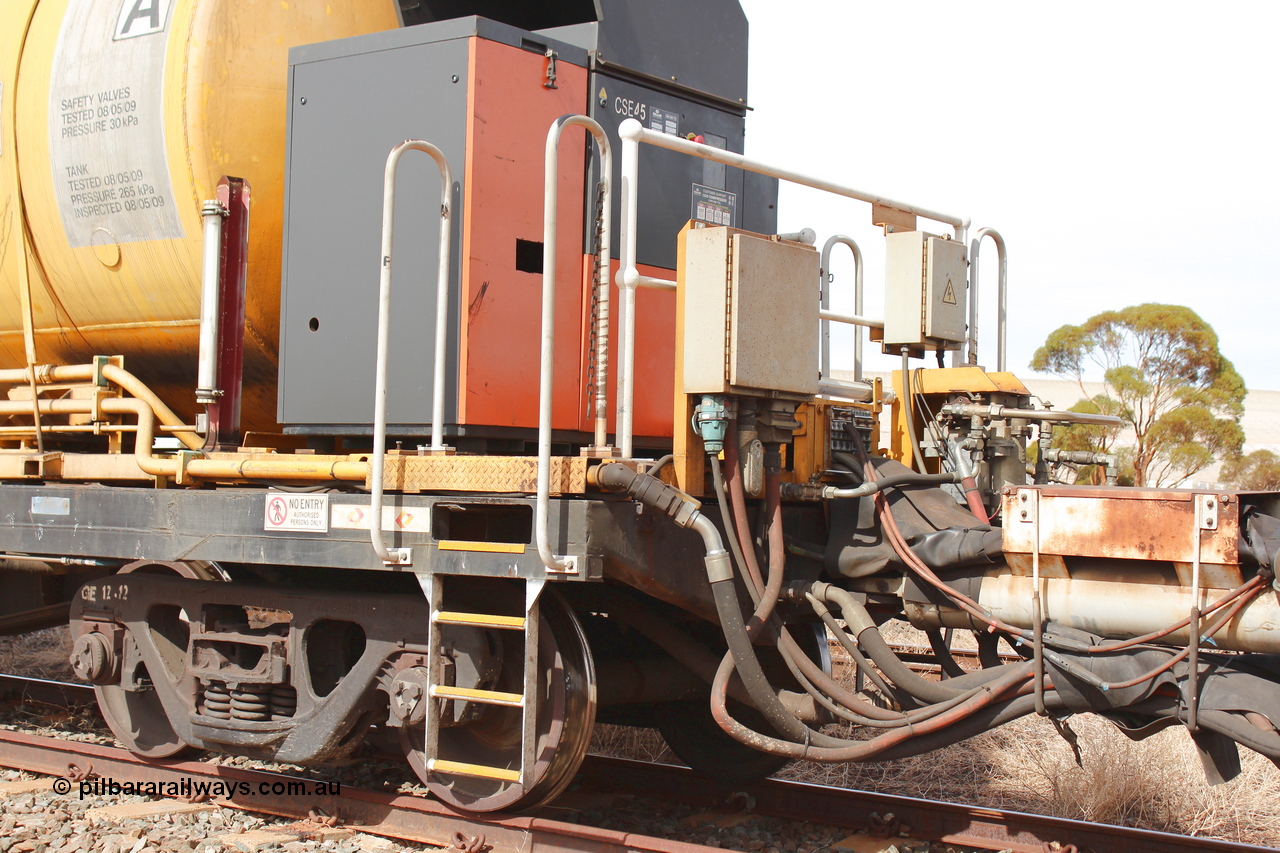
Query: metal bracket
[1207, 512]
[1027, 506]
[532, 590]
[184, 459]
[99, 363]
[570, 565]
[399, 557]
[550, 82]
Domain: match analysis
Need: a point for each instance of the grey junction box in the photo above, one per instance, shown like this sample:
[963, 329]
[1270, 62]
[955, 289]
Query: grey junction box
[751, 315]
[925, 281]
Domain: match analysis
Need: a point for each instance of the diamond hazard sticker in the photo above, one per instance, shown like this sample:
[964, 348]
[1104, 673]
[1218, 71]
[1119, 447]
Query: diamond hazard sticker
[296, 512]
[358, 516]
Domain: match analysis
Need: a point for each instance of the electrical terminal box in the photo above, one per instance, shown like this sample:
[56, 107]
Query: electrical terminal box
[750, 315]
[925, 291]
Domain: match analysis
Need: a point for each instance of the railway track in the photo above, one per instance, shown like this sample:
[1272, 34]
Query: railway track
[865, 816]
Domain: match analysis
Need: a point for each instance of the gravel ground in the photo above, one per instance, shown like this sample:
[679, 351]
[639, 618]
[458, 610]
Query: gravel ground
[43, 821]
[48, 822]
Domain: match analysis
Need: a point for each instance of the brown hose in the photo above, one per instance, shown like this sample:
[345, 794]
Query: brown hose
[738, 500]
[858, 750]
[970, 487]
[787, 644]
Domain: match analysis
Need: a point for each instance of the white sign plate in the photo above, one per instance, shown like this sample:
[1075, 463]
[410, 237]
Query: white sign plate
[284, 511]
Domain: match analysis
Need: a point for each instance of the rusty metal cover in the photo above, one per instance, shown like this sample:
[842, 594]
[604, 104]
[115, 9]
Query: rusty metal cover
[1122, 523]
[501, 474]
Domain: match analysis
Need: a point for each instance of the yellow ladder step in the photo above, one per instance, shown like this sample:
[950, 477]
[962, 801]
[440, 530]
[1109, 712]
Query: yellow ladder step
[478, 771]
[485, 697]
[479, 620]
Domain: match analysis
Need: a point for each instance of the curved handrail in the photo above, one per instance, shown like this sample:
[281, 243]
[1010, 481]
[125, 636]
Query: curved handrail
[549, 198]
[401, 557]
[1002, 294]
[824, 364]
[629, 277]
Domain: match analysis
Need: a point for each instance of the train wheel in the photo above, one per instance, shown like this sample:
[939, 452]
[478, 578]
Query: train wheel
[566, 714]
[136, 716]
[138, 720]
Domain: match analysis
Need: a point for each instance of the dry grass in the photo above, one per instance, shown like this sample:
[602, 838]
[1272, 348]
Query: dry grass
[1156, 784]
[1026, 766]
[40, 654]
[629, 742]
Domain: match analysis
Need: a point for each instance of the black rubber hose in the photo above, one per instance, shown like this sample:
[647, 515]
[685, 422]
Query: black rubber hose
[988, 649]
[748, 665]
[908, 479]
[985, 720]
[943, 654]
[872, 642]
[726, 521]
[662, 462]
[902, 675]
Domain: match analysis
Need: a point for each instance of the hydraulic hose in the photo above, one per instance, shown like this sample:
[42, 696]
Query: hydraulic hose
[653, 492]
[974, 499]
[738, 503]
[806, 491]
[777, 543]
[742, 657]
[804, 742]
[854, 750]
[792, 654]
[873, 643]
[942, 651]
[717, 483]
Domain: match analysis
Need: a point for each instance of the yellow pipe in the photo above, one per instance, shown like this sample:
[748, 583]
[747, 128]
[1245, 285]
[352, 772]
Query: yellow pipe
[135, 387]
[48, 374]
[204, 469]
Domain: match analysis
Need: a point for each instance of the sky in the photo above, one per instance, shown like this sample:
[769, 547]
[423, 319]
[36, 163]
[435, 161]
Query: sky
[1126, 151]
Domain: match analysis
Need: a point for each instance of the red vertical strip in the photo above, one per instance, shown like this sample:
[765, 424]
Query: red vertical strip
[224, 415]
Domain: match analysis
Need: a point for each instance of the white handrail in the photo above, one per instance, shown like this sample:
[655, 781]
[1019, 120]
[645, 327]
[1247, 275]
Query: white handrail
[1002, 294]
[401, 556]
[629, 277]
[547, 358]
[824, 365]
[210, 303]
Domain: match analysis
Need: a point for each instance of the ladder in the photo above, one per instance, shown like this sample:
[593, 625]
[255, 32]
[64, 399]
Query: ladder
[527, 701]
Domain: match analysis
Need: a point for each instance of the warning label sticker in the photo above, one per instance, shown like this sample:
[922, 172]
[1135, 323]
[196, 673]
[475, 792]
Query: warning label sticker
[106, 123]
[360, 516]
[664, 121]
[717, 207]
[949, 293]
[296, 512]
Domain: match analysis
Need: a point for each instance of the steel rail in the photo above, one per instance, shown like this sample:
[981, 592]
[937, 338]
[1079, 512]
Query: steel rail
[412, 818]
[403, 817]
[949, 823]
[60, 694]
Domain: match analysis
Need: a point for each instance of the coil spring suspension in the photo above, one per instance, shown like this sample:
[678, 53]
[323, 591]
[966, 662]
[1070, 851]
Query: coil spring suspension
[251, 702]
[217, 700]
[284, 701]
